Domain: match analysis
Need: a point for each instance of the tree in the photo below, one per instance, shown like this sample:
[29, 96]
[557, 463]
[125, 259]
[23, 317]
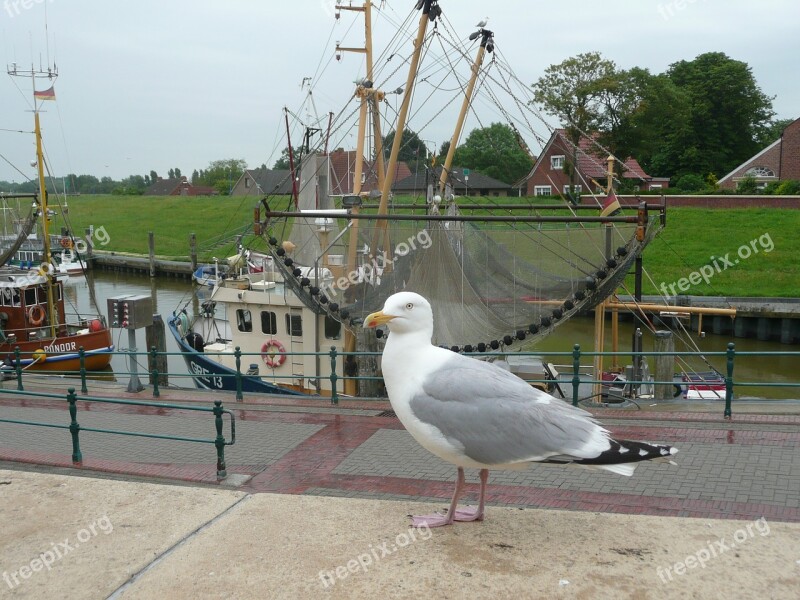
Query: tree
[177, 173]
[195, 177]
[412, 149]
[171, 173]
[283, 162]
[774, 130]
[494, 151]
[572, 91]
[729, 114]
[222, 174]
[153, 176]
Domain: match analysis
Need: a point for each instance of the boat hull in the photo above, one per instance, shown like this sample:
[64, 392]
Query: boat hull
[62, 353]
[210, 375]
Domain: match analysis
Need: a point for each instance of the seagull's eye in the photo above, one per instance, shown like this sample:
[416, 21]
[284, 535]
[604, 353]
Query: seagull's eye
[409, 306]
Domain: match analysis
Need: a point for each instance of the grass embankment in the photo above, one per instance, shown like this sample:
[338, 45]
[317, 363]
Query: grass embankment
[692, 237]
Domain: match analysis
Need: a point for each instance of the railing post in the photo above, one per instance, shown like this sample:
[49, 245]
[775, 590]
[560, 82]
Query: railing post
[334, 377]
[74, 428]
[576, 373]
[18, 362]
[82, 358]
[154, 371]
[238, 354]
[219, 441]
[729, 381]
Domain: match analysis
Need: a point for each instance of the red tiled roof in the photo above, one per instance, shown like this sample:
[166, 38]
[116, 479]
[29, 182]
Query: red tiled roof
[592, 160]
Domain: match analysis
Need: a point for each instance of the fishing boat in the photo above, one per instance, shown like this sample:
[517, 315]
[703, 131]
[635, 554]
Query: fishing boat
[36, 331]
[496, 281]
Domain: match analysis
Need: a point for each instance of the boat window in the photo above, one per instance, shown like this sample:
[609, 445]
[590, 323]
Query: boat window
[30, 296]
[15, 297]
[333, 328]
[269, 322]
[6, 295]
[294, 325]
[244, 321]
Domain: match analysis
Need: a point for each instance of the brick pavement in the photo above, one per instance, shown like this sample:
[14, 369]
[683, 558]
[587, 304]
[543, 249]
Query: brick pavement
[745, 468]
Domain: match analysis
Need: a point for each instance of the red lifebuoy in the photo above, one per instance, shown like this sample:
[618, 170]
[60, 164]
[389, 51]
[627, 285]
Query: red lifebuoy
[66, 243]
[273, 353]
[36, 315]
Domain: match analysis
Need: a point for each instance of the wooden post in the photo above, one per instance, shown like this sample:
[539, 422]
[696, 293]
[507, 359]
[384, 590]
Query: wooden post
[193, 251]
[151, 242]
[368, 365]
[665, 365]
[156, 336]
[89, 245]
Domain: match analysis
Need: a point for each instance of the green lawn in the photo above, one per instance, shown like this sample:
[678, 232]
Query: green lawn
[691, 238]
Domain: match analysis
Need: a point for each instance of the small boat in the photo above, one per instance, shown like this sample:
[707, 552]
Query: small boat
[36, 333]
[207, 275]
[708, 385]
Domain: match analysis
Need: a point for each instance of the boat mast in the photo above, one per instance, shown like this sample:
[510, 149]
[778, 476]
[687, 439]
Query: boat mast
[47, 264]
[486, 45]
[430, 12]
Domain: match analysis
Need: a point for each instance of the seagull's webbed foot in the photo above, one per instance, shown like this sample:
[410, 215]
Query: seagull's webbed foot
[473, 513]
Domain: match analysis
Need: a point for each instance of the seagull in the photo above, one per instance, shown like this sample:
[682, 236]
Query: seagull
[474, 414]
[483, 22]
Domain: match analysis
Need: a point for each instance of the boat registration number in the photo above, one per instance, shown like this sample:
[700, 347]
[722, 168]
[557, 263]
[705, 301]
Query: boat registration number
[205, 375]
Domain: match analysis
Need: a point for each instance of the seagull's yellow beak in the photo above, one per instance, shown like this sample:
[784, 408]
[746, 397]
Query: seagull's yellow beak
[377, 318]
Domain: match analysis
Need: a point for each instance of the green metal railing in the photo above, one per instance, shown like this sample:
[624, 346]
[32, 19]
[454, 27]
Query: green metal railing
[75, 428]
[336, 357]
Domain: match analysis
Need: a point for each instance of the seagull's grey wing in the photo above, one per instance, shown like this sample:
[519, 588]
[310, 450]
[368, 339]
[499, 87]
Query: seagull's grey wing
[497, 418]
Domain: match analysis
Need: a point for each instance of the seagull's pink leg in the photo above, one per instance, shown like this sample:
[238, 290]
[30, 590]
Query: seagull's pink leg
[475, 513]
[438, 519]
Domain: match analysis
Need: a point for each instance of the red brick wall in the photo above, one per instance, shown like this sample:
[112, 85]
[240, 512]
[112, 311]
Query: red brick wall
[718, 201]
[770, 159]
[790, 152]
[545, 175]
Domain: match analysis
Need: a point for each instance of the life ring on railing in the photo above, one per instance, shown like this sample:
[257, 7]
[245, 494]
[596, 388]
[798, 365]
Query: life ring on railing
[273, 353]
[36, 315]
[66, 242]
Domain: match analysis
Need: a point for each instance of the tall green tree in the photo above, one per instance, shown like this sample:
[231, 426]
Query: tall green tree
[412, 149]
[729, 113]
[572, 92]
[222, 174]
[494, 151]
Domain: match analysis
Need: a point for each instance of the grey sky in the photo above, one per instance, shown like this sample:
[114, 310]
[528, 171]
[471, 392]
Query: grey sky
[152, 84]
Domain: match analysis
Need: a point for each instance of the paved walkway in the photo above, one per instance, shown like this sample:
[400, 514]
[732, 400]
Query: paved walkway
[741, 469]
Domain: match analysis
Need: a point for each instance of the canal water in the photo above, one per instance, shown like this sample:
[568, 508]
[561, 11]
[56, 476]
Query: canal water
[169, 293]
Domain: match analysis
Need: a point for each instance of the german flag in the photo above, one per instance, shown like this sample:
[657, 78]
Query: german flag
[610, 205]
[48, 94]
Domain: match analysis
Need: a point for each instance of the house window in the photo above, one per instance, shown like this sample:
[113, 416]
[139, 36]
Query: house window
[269, 322]
[542, 190]
[294, 325]
[578, 189]
[760, 172]
[655, 186]
[246, 182]
[333, 328]
[244, 320]
[557, 162]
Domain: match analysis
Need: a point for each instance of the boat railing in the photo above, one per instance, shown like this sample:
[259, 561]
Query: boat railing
[576, 373]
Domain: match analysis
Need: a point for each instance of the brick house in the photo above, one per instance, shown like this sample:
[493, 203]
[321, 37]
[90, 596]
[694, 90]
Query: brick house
[342, 173]
[777, 162]
[178, 187]
[548, 176]
[464, 182]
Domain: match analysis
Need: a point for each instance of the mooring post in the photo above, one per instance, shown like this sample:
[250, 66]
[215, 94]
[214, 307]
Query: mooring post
[576, 373]
[334, 377]
[729, 380]
[82, 358]
[18, 363]
[219, 441]
[156, 339]
[238, 354]
[74, 428]
[193, 251]
[151, 242]
[665, 364]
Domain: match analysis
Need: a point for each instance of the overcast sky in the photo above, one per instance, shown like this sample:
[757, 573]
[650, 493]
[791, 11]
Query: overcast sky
[152, 84]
